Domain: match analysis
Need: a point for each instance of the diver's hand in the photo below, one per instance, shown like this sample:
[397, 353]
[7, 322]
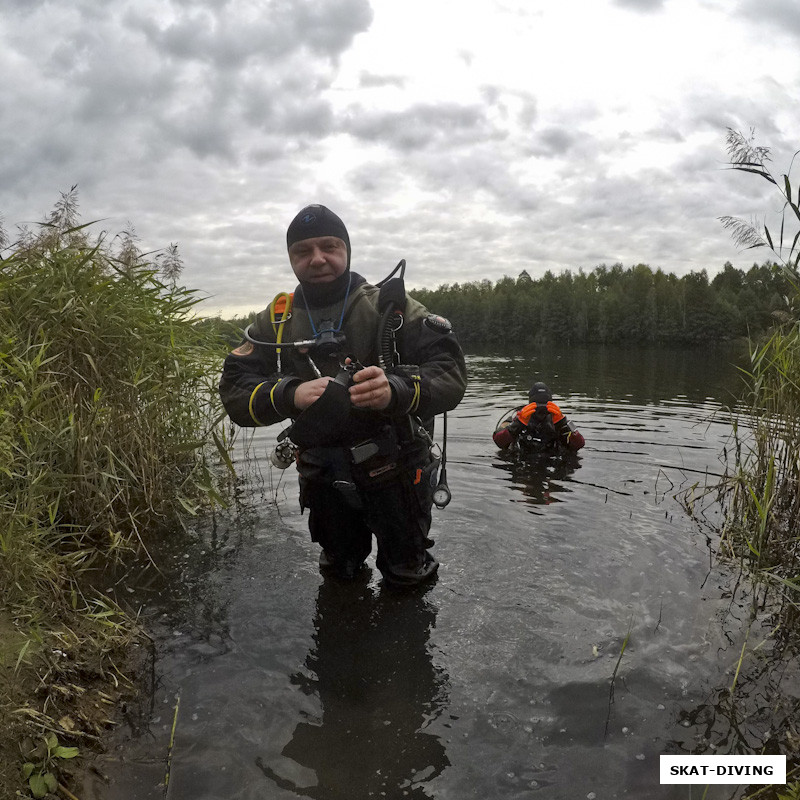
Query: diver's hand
[370, 389]
[309, 392]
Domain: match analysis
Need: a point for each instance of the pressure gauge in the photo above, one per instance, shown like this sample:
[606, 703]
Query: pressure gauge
[441, 495]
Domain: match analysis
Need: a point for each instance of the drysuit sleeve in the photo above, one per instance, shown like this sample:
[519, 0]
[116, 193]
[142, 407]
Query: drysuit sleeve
[506, 436]
[428, 342]
[251, 389]
[569, 435]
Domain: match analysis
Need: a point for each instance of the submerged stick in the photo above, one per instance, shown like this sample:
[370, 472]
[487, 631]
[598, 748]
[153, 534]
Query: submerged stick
[66, 792]
[171, 743]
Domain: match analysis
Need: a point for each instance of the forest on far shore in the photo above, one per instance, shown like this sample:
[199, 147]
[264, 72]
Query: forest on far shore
[635, 305]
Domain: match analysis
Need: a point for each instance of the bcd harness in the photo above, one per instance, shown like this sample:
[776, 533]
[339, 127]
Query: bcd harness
[330, 341]
[381, 455]
[539, 423]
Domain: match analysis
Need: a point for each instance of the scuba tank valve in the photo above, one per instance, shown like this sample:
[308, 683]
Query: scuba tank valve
[285, 451]
[283, 455]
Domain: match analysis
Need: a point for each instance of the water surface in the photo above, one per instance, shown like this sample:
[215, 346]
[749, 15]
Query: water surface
[496, 681]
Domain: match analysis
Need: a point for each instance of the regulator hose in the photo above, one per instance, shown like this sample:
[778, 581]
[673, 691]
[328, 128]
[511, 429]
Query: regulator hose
[391, 322]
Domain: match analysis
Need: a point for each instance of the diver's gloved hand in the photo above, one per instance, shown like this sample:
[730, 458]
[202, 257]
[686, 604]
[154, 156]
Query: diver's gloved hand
[575, 440]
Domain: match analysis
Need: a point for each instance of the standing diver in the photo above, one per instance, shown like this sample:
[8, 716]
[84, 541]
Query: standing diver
[538, 427]
[361, 371]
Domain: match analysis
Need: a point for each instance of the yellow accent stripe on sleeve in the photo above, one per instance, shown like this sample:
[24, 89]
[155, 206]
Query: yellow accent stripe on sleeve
[272, 395]
[415, 399]
[250, 404]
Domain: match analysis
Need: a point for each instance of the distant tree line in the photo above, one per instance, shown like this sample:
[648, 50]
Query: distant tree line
[636, 305]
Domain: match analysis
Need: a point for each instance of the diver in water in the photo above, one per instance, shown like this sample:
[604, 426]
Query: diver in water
[538, 427]
[361, 371]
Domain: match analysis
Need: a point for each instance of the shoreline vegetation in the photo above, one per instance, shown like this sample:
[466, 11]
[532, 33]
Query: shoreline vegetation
[108, 432]
[111, 435]
[760, 491]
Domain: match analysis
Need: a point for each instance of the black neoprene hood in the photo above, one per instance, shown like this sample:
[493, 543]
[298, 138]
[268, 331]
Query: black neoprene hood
[539, 393]
[316, 220]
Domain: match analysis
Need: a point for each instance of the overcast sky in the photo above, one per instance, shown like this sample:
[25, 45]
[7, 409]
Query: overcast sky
[474, 139]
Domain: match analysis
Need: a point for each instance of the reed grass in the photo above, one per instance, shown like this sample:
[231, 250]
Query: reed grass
[107, 405]
[759, 491]
[109, 426]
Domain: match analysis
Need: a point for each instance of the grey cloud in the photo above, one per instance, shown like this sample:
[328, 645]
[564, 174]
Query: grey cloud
[205, 38]
[665, 133]
[24, 7]
[217, 5]
[705, 110]
[491, 94]
[528, 113]
[627, 198]
[203, 136]
[369, 81]
[419, 126]
[469, 173]
[702, 162]
[281, 111]
[192, 97]
[641, 5]
[311, 119]
[244, 31]
[511, 107]
[373, 180]
[330, 24]
[780, 15]
[266, 151]
[552, 141]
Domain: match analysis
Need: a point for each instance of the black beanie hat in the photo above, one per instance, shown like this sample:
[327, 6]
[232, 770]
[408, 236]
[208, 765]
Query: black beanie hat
[316, 220]
[539, 394]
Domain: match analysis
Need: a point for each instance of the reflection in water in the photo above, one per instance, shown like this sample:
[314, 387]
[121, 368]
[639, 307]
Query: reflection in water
[372, 670]
[496, 682]
[640, 376]
[538, 475]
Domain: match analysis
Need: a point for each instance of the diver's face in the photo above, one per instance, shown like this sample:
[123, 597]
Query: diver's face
[318, 260]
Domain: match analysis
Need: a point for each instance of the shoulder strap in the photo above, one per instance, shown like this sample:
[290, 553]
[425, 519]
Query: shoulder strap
[392, 295]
